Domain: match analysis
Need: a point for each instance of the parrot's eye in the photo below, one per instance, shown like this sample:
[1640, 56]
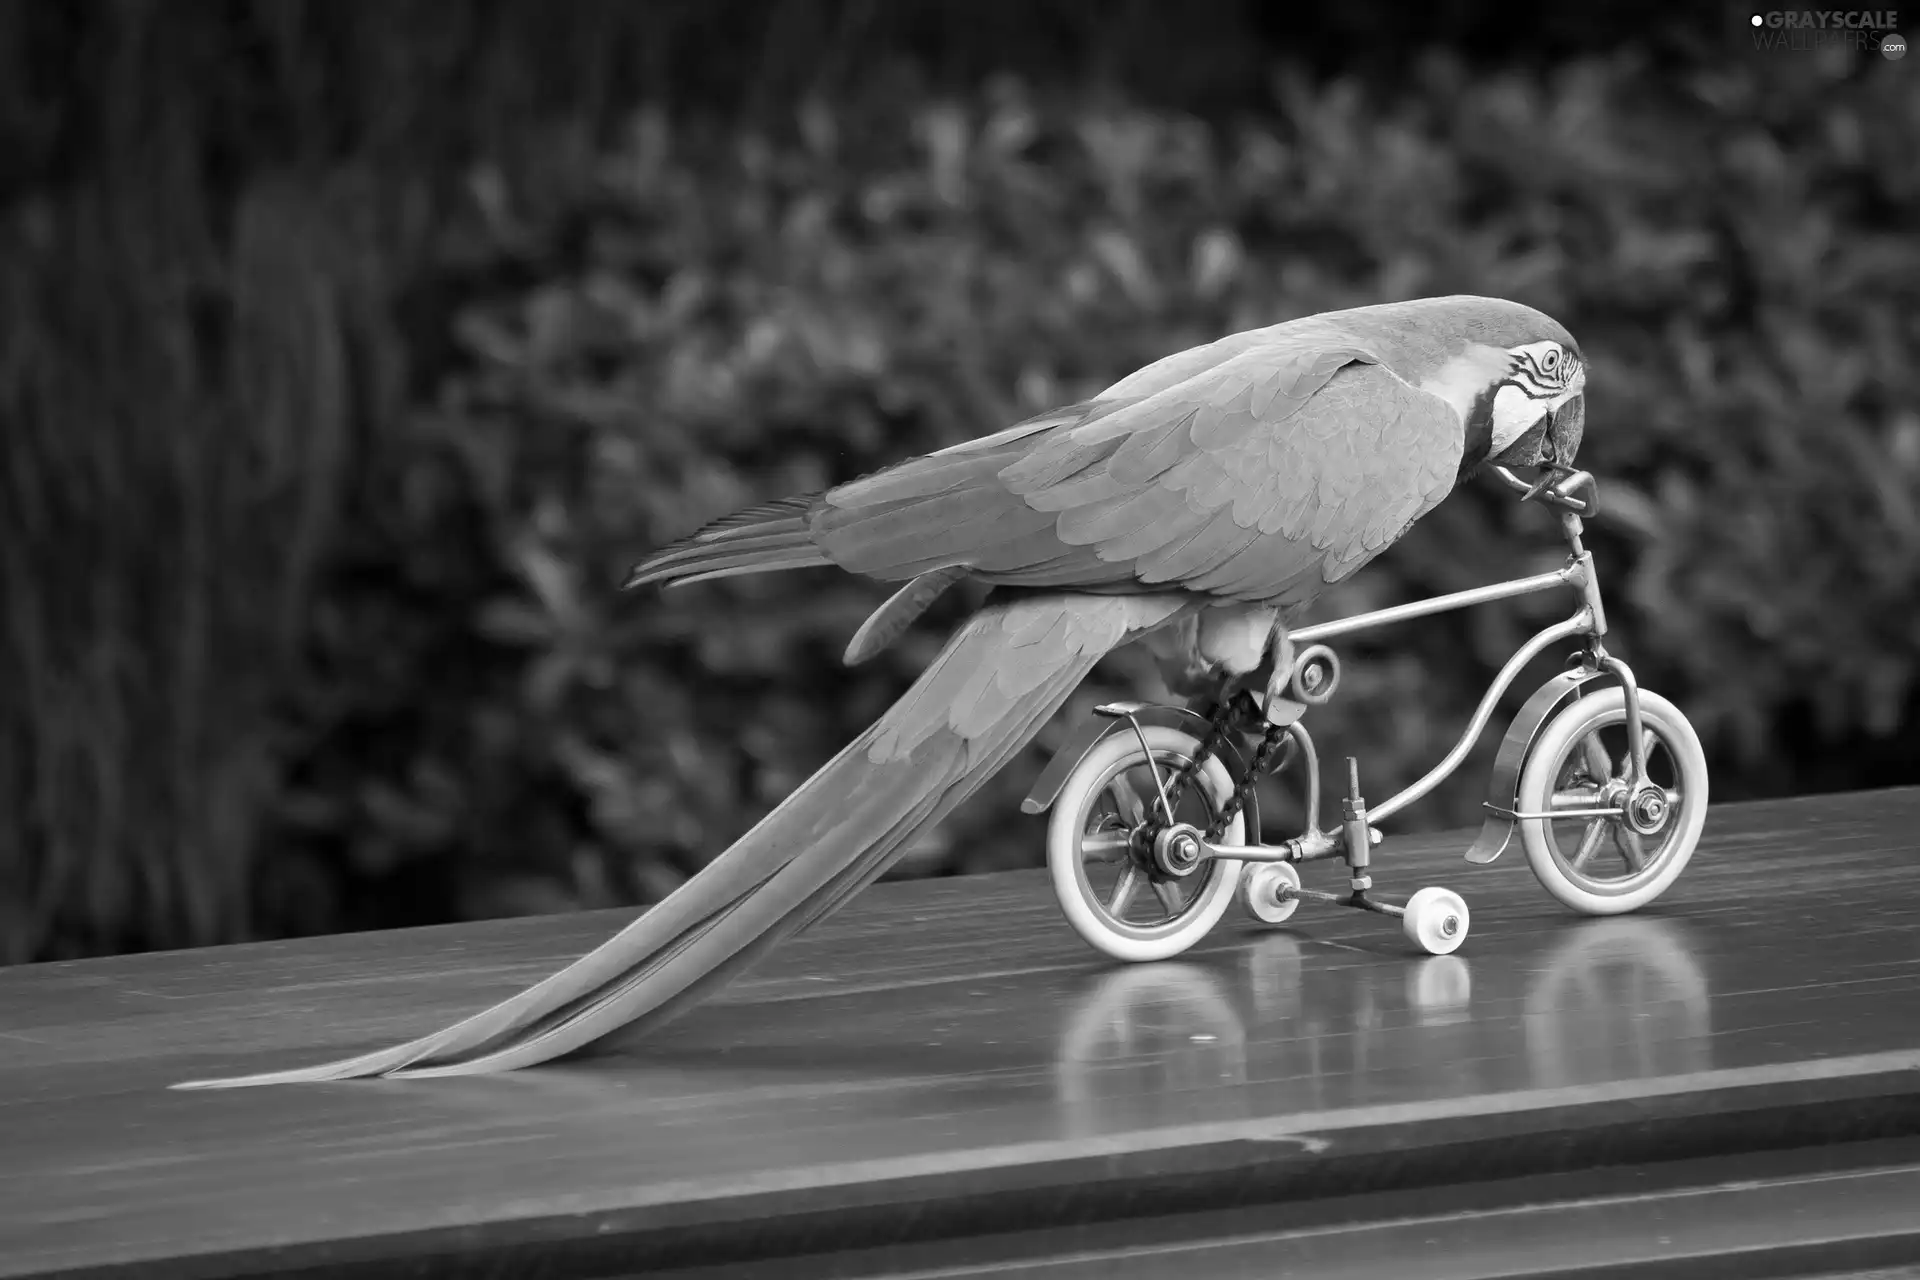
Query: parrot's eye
[1550, 361]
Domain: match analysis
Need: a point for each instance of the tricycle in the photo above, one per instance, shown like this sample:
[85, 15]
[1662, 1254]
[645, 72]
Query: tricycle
[1155, 822]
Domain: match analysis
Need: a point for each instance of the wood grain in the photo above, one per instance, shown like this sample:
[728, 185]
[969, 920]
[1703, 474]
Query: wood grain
[943, 1052]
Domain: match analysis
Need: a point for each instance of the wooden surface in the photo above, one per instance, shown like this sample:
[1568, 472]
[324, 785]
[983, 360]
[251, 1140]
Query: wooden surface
[946, 1058]
[1824, 1212]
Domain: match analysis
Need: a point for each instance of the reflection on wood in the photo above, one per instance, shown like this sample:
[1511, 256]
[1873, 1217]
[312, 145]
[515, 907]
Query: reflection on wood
[1619, 999]
[1166, 1034]
[936, 1043]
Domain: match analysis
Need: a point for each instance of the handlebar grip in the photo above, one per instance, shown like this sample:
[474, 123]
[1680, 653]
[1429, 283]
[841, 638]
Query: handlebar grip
[1560, 493]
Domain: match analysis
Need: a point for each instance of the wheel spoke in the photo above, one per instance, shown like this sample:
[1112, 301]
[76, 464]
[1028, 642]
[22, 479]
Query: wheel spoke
[1589, 841]
[1133, 810]
[1123, 893]
[1648, 744]
[1599, 765]
[1169, 895]
[1107, 846]
[1631, 849]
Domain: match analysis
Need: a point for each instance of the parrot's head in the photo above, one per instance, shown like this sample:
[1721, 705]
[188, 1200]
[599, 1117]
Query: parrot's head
[1513, 373]
[1537, 408]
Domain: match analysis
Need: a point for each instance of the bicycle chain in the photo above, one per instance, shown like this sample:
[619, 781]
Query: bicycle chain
[1269, 743]
[1217, 735]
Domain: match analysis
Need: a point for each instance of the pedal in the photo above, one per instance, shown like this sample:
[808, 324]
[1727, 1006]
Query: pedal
[1281, 712]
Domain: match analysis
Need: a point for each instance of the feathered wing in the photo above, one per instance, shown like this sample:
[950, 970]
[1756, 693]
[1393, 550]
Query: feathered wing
[1253, 470]
[1265, 476]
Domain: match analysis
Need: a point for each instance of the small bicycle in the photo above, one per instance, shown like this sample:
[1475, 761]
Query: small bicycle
[1154, 806]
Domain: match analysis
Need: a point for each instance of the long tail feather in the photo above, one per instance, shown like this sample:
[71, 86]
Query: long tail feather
[757, 562]
[1000, 677]
[773, 535]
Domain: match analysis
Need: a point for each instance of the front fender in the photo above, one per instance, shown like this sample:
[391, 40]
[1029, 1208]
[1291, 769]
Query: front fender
[1503, 788]
[1053, 778]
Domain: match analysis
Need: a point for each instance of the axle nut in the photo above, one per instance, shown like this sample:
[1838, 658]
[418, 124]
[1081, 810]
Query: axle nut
[1649, 811]
[1177, 850]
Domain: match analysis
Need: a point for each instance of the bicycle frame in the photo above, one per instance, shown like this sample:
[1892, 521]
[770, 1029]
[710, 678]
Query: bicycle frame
[1588, 620]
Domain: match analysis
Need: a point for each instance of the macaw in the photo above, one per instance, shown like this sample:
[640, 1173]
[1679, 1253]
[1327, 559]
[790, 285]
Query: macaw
[1198, 506]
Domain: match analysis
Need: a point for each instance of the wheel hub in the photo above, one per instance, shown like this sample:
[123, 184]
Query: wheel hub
[1177, 849]
[1647, 811]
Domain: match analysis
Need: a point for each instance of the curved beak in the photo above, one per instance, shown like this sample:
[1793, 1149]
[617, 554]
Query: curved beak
[1565, 426]
[1559, 441]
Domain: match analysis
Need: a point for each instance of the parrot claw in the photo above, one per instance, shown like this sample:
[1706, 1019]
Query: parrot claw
[1551, 474]
[1540, 486]
[1283, 656]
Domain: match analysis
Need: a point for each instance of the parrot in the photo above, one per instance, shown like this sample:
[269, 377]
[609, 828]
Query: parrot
[1197, 507]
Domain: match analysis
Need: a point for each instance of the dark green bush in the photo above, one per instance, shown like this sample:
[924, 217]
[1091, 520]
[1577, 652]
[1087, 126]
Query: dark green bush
[347, 652]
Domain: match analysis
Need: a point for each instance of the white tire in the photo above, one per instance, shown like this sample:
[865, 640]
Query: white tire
[1264, 884]
[1559, 763]
[1436, 921]
[1204, 895]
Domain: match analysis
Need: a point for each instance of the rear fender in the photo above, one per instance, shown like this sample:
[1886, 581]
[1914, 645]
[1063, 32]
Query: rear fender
[1053, 778]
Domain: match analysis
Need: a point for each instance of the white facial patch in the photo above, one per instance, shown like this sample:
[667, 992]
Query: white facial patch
[1514, 414]
[1463, 377]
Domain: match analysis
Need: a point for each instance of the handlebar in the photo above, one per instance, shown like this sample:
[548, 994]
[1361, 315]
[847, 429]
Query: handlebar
[1557, 492]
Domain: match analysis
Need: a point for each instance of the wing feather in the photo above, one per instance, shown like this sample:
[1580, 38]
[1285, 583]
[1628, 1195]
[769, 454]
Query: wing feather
[1058, 458]
[1174, 521]
[1147, 454]
[1208, 545]
[1090, 485]
[1139, 511]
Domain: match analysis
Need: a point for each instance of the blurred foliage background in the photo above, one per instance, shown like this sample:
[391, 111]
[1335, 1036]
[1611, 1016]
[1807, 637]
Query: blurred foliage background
[349, 353]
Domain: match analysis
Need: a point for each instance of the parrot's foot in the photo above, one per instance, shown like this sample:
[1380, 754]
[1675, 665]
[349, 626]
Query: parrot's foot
[1229, 703]
[1209, 653]
[1205, 690]
[1245, 714]
[1282, 658]
[1202, 687]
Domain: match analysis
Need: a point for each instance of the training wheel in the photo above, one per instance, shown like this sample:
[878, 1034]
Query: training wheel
[1270, 891]
[1436, 920]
